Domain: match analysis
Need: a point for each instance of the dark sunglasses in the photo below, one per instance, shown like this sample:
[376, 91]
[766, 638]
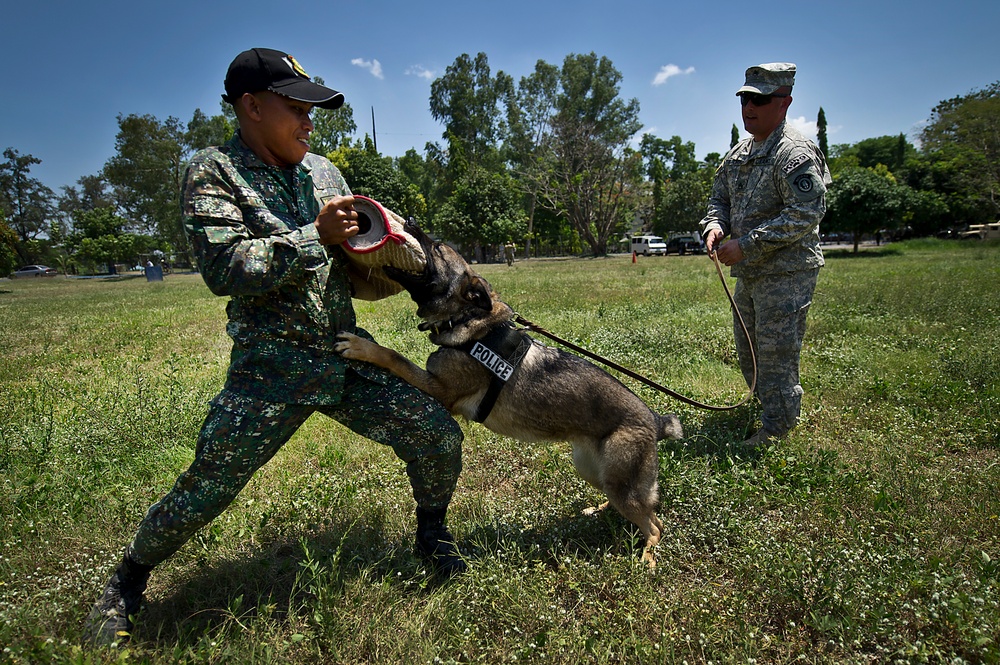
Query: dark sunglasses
[756, 99]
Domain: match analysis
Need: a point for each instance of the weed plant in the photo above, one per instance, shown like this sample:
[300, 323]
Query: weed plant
[869, 535]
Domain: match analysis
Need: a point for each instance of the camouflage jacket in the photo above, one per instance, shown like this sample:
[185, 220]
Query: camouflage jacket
[251, 229]
[772, 202]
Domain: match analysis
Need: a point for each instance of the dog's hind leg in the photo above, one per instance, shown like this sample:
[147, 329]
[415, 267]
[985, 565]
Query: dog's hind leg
[631, 486]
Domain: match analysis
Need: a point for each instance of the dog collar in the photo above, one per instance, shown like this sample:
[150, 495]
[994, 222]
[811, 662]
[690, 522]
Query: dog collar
[501, 351]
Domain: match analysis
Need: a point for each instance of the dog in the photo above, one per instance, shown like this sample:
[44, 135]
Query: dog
[487, 370]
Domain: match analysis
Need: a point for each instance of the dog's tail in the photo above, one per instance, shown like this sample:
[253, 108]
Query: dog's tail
[668, 427]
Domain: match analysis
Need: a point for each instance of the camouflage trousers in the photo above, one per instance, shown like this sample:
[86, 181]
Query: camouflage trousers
[241, 434]
[774, 308]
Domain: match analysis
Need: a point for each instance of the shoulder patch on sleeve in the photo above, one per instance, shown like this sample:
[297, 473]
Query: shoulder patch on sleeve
[804, 183]
[794, 163]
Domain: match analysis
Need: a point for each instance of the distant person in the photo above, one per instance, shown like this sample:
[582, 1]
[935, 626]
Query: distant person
[265, 219]
[508, 252]
[769, 197]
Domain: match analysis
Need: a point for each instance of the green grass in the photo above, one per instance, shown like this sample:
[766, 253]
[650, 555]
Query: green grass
[870, 535]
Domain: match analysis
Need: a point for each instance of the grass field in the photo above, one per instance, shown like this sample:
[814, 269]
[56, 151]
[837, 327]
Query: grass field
[870, 535]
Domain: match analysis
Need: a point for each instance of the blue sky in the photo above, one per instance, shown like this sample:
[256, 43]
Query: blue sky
[877, 68]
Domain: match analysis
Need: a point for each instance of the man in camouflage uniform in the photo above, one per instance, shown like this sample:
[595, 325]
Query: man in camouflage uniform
[265, 219]
[769, 197]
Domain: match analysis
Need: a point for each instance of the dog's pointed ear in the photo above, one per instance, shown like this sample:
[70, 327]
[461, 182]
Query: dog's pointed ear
[478, 293]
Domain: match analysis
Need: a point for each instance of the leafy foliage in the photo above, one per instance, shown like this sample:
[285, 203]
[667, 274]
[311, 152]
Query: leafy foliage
[863, 200]
[483, 210]
[595, 174]
[965, 133]
[374, 176]
[100, 238]
[889, 151]
[821, 137]
[25, 202]
[204, 131]
[529, 146]
[331, 129]
[146, 174]
[469, 100]
[970, 124]
[681, 185]
[8, 243]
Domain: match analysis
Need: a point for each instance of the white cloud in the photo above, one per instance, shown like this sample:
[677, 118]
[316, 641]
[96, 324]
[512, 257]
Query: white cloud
[805, 127]
[420, 72]
[373, 66]
[666, 71]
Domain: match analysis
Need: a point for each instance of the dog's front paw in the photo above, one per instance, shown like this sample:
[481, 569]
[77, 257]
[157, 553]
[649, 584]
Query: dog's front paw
[350, 346]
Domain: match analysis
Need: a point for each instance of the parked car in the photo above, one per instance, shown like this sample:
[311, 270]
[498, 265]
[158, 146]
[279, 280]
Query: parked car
[34, 271]
[687, 244]
[648, 245]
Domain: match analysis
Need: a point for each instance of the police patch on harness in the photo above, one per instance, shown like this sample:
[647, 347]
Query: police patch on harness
[491, 361]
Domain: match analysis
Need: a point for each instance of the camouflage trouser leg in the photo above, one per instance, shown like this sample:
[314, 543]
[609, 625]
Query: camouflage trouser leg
[240, 435]
[420, 430]
[774, 308]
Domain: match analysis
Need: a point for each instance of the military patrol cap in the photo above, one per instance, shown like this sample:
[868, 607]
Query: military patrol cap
[765, 79]
[266, 69]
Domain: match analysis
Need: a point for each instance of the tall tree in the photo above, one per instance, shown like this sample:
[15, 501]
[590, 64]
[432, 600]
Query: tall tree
[204, 131]
[470, 102]
[484, 210]
[420, 172]
[596, 176]
[146, 175]
[967, 128]
[734, 136]
[864, 200]
[90, 193]
[529, 117]
[26, 203]
[821, 131]
[672, 167]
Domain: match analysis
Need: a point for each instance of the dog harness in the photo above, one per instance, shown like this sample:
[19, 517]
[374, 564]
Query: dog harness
[501, 351]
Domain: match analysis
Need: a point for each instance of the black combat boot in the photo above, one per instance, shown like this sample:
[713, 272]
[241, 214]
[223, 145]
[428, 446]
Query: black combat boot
[436, 544]
[110, 622]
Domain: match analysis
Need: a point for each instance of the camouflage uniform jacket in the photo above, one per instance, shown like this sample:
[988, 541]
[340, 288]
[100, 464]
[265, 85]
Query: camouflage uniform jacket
[772, 202]
[251, 228]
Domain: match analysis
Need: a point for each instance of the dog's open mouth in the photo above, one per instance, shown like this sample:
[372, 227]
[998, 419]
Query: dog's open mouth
[436, 326]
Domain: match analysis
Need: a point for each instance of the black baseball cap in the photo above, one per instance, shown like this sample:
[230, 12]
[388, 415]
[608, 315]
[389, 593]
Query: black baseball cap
[266, 69]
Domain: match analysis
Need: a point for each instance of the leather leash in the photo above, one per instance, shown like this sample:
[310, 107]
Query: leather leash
[649, 382]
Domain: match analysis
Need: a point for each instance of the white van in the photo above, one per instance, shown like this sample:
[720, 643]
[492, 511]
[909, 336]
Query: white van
[649, 245]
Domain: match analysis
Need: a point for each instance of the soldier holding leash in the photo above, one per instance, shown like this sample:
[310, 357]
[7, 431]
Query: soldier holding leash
[769, 197]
